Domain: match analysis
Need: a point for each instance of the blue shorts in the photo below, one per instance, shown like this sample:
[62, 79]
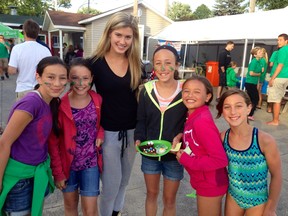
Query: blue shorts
[86, 180]
[171, 170]
[19, 199]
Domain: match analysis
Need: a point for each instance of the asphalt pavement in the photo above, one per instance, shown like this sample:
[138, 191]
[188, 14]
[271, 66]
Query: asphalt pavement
[135, 196]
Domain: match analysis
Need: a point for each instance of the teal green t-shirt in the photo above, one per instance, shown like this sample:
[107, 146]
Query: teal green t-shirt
[273, 59]
[3, 50]
[231, 77]
[254, 66]
[283, 59]
[263, 65]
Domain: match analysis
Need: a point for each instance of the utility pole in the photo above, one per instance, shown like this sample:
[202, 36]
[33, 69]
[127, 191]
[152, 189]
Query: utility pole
[166, 7]
[135, 8]
[252, 6]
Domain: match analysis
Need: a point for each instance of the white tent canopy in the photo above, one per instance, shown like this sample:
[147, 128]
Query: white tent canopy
[261, 26]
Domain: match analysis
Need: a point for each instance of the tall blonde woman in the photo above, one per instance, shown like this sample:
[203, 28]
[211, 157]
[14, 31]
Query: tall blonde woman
[116, 67]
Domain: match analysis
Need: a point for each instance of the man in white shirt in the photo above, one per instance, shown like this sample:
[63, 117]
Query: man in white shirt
[25, 57]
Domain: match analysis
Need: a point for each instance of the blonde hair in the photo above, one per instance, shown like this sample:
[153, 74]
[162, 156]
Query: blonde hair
[265, 55]
[255, 50]
[116, 21]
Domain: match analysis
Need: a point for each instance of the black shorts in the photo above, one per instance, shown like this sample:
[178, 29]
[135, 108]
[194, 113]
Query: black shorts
[222, 78]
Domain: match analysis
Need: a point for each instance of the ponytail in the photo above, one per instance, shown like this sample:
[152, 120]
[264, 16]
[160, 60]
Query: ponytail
[54, 106]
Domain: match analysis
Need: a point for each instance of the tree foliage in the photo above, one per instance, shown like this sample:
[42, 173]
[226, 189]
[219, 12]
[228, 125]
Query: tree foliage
[202, 12]
[92, 11]
[32, 7]
[180, 12]
[228, 7]
[271, 4]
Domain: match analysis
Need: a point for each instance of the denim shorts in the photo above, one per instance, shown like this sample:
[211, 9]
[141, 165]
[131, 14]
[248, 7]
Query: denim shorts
[86, 180]
[171, 170]
[19, 199]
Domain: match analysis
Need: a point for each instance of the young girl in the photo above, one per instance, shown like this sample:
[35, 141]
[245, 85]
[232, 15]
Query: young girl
[264, 64]
[252, 78]
[204, 157]
[24, 162]
[231, 76]
[161, 115]
[251, 154]
[73, 149]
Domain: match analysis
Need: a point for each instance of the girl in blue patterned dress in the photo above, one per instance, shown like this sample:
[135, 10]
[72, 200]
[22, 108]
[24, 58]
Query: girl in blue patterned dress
[251, 154]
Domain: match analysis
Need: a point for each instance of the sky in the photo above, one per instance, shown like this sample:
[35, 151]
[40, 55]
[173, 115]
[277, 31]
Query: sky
[103, 5]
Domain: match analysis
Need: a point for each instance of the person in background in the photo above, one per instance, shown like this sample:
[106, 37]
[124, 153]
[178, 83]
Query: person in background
[73, 150]
[161, 116]
[4, 55]
[70, 55]
[116, 67]
[273, 64]
[279, 80]
[25, 174]
[65, 49]
[264, 65]
[204, 157]
[252, 79]
[224, 60]
[78, 51]
[25, 57]
[231, 75]
[249, 161]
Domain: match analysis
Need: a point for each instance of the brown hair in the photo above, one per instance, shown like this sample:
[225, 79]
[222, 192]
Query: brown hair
[206, 83]
[228, 93]
[31, 28]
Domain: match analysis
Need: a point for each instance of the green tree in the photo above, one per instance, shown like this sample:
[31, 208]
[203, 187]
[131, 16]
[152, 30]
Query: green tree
[229, 7]
[32, 7]
[202, 12]
[180, 12]
[271, 4]
[92, 11]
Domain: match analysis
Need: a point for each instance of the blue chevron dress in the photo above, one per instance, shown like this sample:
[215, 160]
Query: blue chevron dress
[247, 172]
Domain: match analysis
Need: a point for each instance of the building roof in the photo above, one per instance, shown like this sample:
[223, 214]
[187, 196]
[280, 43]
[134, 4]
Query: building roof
[61, 18]
[124, 7]
[15, 20]
[64, 20]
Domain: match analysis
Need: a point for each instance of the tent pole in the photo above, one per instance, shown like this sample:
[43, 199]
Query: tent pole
[147, 48]
[243, 63]
[185, 53]
[197, 55]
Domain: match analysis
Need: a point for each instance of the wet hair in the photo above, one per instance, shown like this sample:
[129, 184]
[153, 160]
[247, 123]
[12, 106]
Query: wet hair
[206, 83]
[117, 21]
[228, 93]
[55, 102]
[31, 28]
[174, 51]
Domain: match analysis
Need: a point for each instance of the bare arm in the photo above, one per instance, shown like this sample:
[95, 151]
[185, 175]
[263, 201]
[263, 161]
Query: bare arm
[269, 147]
[17, 123]
[12, 70]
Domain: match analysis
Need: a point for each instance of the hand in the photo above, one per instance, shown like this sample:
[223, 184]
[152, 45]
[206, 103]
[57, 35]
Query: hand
[99, 142]
[270, 83]
[137, 143]
[179, 154]
[269, 213]
[61, 184]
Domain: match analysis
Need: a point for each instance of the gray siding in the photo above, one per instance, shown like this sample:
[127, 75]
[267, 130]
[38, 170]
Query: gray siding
[153, 23]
